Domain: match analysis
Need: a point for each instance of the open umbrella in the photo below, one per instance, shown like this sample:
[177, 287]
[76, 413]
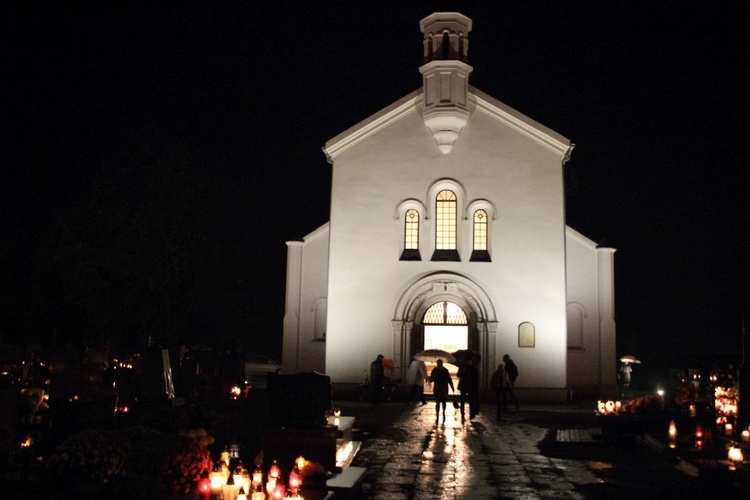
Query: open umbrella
[630, 359]
[463, 355]
[432, 355]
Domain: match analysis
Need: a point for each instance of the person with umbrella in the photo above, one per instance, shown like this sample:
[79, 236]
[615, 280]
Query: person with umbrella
[626, 369]
[415, 379]
[441, 379]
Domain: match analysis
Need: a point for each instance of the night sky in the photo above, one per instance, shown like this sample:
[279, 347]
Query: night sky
[654, 97]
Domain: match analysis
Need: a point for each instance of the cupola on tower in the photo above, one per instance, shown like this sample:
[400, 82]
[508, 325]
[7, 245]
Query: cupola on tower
[445, 74]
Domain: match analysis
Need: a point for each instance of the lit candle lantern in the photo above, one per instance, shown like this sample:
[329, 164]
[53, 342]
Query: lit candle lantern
[279, 490]
[204, 488]
[271, 485]
[237, 478]
[218, 480]
[672, 434]
[699, 437]
[735, 455]
[295, 480]
[274, 471]
[745, 436]
[618, 406]
[610, 406]
[257, 475]
[728, 429]
[692, 410]
[337, 413]
[300, 462]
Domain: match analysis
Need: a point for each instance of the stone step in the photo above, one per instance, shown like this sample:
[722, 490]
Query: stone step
[576, 435]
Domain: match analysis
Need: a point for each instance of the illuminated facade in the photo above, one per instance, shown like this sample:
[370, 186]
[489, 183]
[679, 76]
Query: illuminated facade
[450, 196]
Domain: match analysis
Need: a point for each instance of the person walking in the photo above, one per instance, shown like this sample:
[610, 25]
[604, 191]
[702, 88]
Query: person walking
[626, 370]
[468, 385]
[510, 392]
[377, 377]
[415, 379]
[499, 383]
[441, 379]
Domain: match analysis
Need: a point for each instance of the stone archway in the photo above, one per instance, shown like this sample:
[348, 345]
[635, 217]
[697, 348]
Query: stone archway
[445, 286]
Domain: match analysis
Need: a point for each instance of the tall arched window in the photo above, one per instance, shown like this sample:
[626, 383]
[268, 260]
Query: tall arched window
[445, 226]
[480, 251]
[411, 235]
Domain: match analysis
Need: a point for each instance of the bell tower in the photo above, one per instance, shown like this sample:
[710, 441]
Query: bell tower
[445, 75]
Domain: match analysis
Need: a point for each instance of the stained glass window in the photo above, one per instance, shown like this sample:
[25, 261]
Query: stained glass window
[445, 224]
[411, 230]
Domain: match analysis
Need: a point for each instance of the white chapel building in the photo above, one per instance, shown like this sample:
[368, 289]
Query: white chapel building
[447, 230]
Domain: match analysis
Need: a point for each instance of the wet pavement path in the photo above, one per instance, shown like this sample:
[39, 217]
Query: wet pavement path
[542, 451]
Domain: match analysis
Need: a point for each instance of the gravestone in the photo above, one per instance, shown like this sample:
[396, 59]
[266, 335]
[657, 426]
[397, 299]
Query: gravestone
[156, 375]
[299, 401]
[299, 406]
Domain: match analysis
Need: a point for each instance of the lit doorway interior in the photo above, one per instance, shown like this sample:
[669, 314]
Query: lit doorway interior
[445, 328]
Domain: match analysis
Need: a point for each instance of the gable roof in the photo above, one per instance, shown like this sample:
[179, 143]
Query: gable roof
[478, 102]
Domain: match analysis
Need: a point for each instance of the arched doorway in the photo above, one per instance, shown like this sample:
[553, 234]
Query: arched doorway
[446, 327]
[441, 287]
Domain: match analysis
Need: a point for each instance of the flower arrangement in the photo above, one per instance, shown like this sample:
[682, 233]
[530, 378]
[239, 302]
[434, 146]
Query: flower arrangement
[645, 405]
[92, 456]
[183, 465]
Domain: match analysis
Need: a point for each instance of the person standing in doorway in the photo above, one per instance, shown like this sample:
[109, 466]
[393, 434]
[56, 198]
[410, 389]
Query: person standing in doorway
[441, 379]
[377, 377]
[468, 384]
[415, 379]
[510, 393]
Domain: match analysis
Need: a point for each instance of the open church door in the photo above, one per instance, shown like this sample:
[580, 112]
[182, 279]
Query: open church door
[445, 327]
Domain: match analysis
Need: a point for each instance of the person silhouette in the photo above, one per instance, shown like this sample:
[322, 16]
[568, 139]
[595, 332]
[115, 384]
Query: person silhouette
[441, 379]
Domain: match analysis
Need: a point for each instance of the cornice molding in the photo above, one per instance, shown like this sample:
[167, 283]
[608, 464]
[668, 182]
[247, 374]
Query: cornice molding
[520, 122]
[372, 125]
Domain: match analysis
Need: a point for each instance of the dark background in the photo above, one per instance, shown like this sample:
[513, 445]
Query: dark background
[156, 159]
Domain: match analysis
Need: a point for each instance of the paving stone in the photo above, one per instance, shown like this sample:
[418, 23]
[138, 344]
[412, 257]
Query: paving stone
[409, 456]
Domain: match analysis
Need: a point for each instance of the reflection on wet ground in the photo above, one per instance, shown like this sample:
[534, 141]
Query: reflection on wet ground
[409, 456]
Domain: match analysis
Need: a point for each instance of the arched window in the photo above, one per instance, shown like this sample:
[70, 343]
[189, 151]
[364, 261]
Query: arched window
[445, 313]
[411, 235]
[446, 45]
[480, 251]
[575, 326]
[445, 226]
[526, 334]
